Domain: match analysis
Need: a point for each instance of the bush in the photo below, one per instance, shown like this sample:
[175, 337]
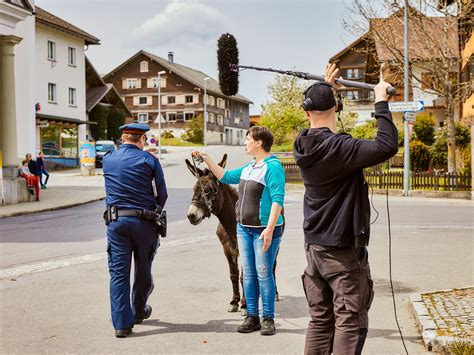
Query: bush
[367, 130]
[462, 135]
[99, 115]
[401, 136]
[424, 129]
[420, 156]
[439, 152]
[167, 134]
[195, 131]
[115, 119]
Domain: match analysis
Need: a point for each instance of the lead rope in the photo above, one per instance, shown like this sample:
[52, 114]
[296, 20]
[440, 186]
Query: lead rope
[208, 202]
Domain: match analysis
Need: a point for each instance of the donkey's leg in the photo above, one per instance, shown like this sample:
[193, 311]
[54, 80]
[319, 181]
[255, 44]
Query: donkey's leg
[277, 295]
[234, 278]
[243, 303]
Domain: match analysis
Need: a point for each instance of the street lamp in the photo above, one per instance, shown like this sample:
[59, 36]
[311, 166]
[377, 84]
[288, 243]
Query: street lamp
[205, 110]
[159, 112]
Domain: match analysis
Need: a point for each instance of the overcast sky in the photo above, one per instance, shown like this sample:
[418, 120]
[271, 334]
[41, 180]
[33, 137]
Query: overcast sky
[291, 34]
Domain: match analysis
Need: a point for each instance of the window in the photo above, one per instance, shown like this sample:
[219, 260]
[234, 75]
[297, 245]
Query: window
[188, 116]
[71, 55]
[220, 120]
[356, 73]
[154, 82]
[349, 74]
[72, 97]
[171, 116]
[171, 99]
[211, 101]
[143, 100]
[51, 92]
[144, 67]
[51, 50]
[211, 117]
[143, 118]
[352, 95]
[189, 99]
[131, 83]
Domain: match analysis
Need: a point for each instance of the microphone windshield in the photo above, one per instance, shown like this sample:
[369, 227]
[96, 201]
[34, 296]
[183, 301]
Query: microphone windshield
[227, 62]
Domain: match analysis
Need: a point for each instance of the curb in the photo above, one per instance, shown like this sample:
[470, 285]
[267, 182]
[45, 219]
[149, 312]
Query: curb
[48, 209]
[427, 326]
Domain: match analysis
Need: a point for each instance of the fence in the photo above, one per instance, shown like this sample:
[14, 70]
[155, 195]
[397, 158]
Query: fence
[383, 179]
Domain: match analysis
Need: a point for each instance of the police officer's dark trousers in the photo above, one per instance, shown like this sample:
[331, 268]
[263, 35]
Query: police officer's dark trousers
[339, 291]
[125, 236]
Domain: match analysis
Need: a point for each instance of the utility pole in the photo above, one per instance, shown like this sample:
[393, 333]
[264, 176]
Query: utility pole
[406, 145]
[159, 112]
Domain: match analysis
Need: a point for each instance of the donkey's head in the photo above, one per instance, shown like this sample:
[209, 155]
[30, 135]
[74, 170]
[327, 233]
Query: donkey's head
[207, 194]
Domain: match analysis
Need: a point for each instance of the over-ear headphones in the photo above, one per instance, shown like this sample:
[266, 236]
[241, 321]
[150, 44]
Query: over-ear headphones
[308, 104]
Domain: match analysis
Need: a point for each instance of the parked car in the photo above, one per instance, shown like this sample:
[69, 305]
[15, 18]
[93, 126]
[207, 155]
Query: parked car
[102, 147]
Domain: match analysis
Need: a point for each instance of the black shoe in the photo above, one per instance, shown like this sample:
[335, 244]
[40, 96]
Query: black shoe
[147, 315]
[268, 327]
[251, 324]
[123, 333]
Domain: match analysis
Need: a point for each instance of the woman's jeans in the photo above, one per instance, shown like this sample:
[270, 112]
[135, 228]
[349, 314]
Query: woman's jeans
[258, 268]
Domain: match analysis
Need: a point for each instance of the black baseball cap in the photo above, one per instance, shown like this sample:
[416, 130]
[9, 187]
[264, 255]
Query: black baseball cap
[321, 95]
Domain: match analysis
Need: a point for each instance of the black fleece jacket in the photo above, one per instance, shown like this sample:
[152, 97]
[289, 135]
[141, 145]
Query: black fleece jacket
[336, 202]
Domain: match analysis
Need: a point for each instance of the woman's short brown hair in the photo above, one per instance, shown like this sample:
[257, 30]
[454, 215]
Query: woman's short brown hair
[260, 133]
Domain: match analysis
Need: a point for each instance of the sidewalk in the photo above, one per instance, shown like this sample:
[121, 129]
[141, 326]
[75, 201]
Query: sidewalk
[65, 189]
[445, 318]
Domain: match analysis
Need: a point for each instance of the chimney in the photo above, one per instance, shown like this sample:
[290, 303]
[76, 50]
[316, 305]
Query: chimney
[170, 58]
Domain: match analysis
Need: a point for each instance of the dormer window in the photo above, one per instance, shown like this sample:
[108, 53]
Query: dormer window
[144, 67]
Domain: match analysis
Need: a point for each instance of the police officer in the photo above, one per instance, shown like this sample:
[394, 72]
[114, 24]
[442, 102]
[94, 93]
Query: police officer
[129, 173]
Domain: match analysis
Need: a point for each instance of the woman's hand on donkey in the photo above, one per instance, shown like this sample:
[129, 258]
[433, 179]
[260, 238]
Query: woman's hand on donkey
[267, 236]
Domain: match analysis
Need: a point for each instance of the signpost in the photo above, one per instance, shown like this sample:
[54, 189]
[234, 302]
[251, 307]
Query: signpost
[409, 109]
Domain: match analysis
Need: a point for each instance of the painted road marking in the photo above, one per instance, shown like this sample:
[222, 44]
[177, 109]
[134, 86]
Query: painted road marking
[17, 271]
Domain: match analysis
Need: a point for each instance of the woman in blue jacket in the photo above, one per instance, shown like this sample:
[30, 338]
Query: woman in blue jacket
[259, 223]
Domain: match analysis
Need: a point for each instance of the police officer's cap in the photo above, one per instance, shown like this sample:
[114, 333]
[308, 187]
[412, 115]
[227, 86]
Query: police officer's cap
[134, 128]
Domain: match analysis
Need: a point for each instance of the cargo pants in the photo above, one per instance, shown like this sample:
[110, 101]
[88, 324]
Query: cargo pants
[339, 291]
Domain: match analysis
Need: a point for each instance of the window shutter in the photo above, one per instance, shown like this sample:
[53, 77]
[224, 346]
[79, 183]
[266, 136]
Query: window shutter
[139, 83]
[149, 83]
[196, 98]
[180, 99]
[163, 82]
[149, 100]
[135, 101]
[124, 84]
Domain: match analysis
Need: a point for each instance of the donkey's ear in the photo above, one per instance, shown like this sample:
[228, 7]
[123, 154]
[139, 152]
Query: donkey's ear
[195, 171]
[223, 162]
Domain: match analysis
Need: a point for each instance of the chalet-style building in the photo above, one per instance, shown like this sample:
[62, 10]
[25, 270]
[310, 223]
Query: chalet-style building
[182, 98]
[368, 56]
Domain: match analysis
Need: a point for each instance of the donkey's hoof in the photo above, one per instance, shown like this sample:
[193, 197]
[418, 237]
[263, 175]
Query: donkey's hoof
[243, 312]
[233, 308]
[277, 297]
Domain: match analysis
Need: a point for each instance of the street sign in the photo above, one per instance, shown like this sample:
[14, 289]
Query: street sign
[410, 116]
[403, 106]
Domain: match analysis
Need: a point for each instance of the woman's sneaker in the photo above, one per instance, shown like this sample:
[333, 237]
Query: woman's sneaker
[268, 326]
[251, 324]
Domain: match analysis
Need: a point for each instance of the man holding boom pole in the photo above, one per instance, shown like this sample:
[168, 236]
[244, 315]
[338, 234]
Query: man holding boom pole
[337, 280]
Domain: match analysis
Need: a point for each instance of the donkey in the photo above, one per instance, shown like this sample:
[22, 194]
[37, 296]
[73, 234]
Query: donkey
[221, 199]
